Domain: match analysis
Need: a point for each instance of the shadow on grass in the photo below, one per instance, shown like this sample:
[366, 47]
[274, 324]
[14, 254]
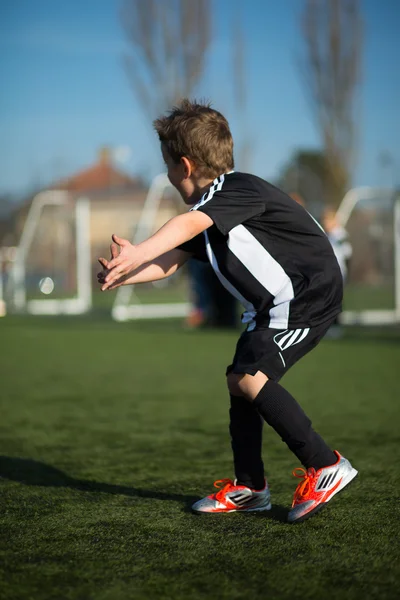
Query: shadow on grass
[33, 472]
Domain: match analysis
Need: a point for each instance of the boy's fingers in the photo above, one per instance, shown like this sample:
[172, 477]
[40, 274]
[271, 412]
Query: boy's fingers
[111, 285]
[112, 280]
[116, 263]
[101, 276]
[117, 271]
[120, 241]
[114, 250]
[112, 263]
[103, 262]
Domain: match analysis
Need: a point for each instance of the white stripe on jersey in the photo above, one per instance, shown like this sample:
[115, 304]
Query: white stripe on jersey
[216, 187]
[316, 222]
[250, 310]
[266, 270]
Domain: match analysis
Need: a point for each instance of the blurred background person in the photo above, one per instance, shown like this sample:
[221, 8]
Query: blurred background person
[212, 304]
[200, 294]
[342, 248]
[338, 238]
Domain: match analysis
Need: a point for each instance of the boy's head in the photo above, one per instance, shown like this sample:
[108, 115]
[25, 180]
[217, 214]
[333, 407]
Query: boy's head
[197, 146]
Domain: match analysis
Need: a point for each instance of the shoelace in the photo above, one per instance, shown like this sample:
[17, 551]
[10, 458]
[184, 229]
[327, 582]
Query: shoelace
[305, 487]
[224, 486]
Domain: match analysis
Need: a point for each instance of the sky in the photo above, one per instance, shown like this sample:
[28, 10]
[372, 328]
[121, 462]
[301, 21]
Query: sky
[64, 92]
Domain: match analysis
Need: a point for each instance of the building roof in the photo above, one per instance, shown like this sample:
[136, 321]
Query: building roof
[100, 176]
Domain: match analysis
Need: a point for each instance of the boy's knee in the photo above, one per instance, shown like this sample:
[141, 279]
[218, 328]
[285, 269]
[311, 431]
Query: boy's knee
[233, 381]
[246, 385]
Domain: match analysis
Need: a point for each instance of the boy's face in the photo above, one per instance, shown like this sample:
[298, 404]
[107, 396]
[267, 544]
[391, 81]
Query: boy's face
[181, 176]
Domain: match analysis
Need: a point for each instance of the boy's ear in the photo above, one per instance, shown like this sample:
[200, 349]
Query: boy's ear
[188, 166]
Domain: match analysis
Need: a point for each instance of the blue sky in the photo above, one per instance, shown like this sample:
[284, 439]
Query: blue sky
[65, 94]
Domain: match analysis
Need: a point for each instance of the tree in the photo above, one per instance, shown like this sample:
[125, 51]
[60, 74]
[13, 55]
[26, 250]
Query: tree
[306, 174]
[240, 87]
[169, 40]
[332, 33]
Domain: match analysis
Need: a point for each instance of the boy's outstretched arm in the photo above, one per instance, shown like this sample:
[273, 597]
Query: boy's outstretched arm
[160, 268]
[178, 230]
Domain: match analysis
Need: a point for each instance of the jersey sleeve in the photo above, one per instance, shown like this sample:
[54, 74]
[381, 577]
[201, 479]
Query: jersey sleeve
[230, 206]
[195, 246]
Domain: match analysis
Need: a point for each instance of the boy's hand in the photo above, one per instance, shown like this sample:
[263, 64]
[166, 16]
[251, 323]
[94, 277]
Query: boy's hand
[122, 262]
[101, 276]
[175, 232]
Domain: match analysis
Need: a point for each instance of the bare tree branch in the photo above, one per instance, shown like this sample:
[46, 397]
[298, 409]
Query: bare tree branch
[239, 85]
[332, 32]
[169, 40]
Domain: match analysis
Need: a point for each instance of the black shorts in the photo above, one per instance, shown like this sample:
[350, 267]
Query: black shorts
[274, 351]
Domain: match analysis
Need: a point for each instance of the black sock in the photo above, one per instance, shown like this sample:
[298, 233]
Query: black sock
[246, 438]
[281, 411]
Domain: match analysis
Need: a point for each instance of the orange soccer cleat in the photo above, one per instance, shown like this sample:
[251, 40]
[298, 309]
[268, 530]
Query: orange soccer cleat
[232, 497]
[318, 487]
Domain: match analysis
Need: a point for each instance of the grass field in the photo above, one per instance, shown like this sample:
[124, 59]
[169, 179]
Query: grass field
[109, 432]
[356, 297]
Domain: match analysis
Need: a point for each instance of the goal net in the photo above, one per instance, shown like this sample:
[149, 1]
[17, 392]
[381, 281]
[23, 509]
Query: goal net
[63, 235]
[52, 269]
[371, 217]
[372, 291]
[160, 299]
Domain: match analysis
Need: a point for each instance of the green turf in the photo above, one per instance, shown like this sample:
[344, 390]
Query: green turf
[356, 296]
[109, 432]
[368, 297]
[148, 293]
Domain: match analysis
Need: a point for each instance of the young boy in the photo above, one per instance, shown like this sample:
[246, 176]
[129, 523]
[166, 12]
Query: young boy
[274, 258]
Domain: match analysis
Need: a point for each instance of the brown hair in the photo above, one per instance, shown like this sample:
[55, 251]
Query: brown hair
[199, 133]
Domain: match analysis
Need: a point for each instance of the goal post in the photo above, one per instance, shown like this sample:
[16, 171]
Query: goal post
[397, 254]
[51, 273]
[372, 289]
[127, 304]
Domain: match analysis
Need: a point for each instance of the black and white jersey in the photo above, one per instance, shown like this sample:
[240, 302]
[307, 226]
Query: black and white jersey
[269, 253]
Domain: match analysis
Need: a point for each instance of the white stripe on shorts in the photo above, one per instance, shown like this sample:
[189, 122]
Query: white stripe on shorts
[290, 338]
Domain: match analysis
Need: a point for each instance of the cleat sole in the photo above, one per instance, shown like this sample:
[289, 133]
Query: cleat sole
[240, 510]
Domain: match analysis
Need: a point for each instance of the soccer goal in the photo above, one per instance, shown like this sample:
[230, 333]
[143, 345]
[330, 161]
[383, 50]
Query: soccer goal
[371, 217]
[130, 304]
[372, 292]
[51, 273]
